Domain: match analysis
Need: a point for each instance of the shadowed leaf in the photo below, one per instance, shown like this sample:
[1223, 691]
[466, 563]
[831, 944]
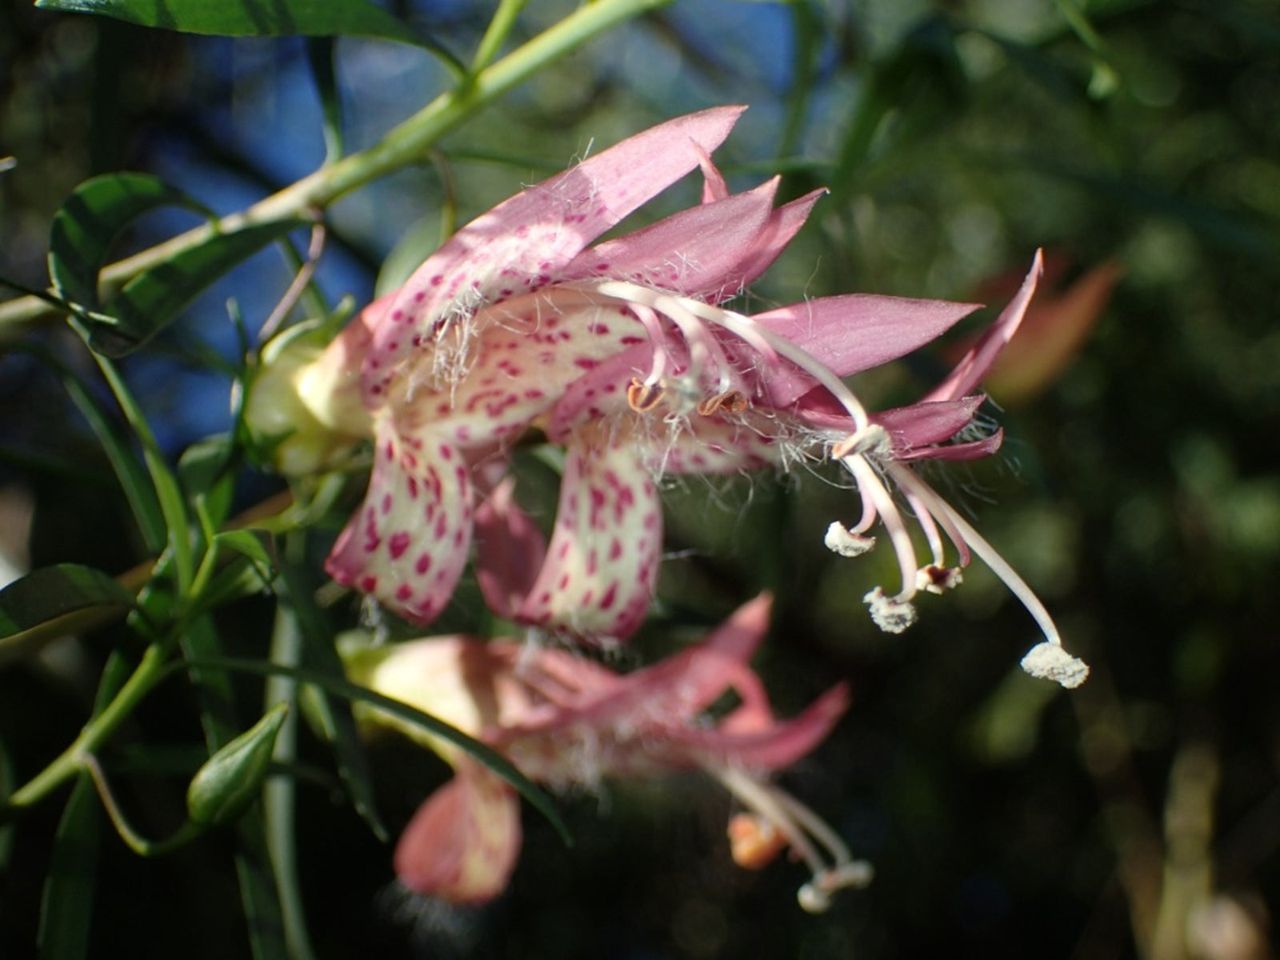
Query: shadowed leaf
[54, 601]
[249, 18]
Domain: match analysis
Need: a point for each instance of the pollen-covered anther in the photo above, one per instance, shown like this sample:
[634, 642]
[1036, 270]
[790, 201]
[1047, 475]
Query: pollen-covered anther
[936, 579]
[872, 440]
[1049, 661]
[840, 539]
[754, 842]
[643, 397]
[889, 613]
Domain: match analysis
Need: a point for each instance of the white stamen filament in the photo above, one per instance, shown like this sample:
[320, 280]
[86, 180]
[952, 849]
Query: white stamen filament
[925, 519]
[657, 336]
[899, 536]
[832, 866]
[748, 331]
[702, 345]
[913, 485]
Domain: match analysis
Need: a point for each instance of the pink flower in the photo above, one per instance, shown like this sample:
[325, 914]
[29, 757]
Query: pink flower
[622, 353]
[564, 721]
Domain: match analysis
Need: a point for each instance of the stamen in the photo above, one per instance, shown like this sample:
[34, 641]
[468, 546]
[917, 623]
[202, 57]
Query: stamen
[840, 540]
[1043, 661]
[754, 842]
[766, 343]
[833, 867]
[643, 397]
[936, 579]
[704, 349]
[869, 484]
[890, 614]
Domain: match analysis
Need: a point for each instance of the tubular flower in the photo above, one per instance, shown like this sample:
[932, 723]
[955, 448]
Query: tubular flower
[564, 721]
[623, 354]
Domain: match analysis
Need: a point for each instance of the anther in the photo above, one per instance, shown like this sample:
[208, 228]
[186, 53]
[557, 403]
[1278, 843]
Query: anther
[938, 579]
[1049, 661]
[889, 613]
[754, 842]
[841, 540]
[643, 397]
[731, 401]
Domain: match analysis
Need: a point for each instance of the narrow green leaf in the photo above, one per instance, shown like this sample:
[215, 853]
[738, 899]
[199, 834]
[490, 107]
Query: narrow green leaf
[66, 907]
[154, 297]
[480, 752]
[250, 18]
[90, 220]
[320, 655]
[247, 544]
[53, 601]
[240, 578]
[204, 470]
[324, 74]
[258, 890]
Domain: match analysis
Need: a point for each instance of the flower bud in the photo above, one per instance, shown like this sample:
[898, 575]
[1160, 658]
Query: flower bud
[228, 782]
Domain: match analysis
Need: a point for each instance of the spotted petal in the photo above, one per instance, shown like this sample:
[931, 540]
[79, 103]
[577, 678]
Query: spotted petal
[408, 542]
[523, 242]
[603, 558]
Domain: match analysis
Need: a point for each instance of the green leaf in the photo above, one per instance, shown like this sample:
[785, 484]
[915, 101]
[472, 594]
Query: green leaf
[480, 752]
[249, 18]
[258, 889]
[149, 301]
[228, 783]
[247, 544]
[90, 220]
[81, 238]
[66, 908]
[319, 654]
[53, 601]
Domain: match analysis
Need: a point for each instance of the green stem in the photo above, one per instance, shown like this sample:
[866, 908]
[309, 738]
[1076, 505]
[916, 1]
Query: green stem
[496, 34]
[150, 671]
[134, 840]
[403, 145]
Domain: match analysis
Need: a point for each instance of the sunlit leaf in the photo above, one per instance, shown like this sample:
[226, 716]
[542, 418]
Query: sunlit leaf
[249, 18]
[54, 601]
[154, 297]
[80, 240]
[91, 219]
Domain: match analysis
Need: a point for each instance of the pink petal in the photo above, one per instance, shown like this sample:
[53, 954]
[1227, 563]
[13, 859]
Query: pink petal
[510, 550]
[974, 365]
[408, 542]
[854, 333]
[922, 424]
[970, 450]
[603, 558]
[673, 692]
[774, 747]
[713, 185]
[784, 223]
[698, 252]
[523, 242]
[463, 842]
